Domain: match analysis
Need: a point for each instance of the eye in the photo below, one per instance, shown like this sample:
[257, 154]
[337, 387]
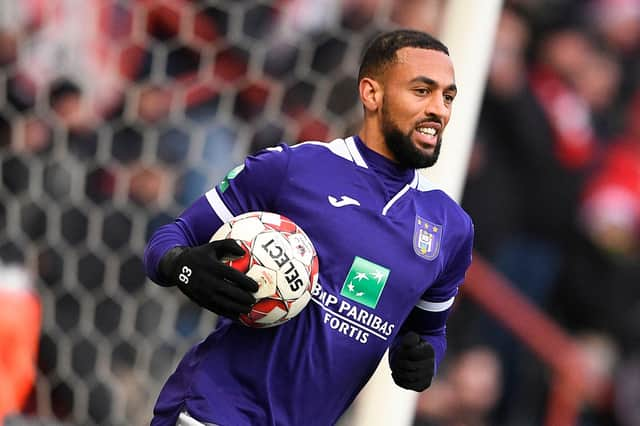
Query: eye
[449, 98]
[421, 91]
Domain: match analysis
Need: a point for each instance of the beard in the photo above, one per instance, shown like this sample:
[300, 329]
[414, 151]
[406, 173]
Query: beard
[402, 147]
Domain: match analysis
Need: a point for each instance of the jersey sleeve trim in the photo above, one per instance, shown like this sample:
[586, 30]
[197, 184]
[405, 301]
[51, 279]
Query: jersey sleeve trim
[355, 154]
[218, 206]
[344, 148]
[435, 306]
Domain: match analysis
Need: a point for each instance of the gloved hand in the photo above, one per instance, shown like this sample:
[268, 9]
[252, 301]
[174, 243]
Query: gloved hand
[412, 363]
[205, 279]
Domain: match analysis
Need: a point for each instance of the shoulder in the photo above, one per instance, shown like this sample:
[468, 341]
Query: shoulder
[337, 149]
[301, 159]
[429, 192]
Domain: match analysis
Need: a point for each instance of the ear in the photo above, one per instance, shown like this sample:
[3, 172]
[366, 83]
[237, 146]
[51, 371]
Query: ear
[370, 94]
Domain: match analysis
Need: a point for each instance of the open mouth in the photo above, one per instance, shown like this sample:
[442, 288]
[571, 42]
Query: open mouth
[428, 134]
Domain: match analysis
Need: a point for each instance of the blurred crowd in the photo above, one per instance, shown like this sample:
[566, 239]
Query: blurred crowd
[554, 189]
[117, 114]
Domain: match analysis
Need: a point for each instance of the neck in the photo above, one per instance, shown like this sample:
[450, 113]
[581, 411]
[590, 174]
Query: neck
[373, 138]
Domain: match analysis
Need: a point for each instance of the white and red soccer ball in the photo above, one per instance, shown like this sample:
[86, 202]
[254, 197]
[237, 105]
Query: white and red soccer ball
[280, 258]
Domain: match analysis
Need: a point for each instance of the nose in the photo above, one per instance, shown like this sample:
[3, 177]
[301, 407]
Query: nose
[436, 106]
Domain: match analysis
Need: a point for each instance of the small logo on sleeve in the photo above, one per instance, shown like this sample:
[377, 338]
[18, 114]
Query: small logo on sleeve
[232, 174]
[427, 237]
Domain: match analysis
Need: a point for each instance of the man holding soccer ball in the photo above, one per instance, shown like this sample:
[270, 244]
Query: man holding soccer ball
[392, 248]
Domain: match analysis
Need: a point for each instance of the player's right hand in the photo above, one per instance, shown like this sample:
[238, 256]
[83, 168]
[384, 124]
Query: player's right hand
[206, 280]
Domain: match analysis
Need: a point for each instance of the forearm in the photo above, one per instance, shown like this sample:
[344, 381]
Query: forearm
[431, 326]
[194, 227]
[163, 240]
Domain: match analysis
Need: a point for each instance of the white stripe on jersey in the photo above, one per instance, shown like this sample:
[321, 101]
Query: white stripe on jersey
[353, 149]
[185, 419]
[394, 199]
[342, 148]
[218, 205]
[435, 306]
[337, 146]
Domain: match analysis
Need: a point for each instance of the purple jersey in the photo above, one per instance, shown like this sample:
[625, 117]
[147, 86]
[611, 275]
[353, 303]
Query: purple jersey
[392, 249]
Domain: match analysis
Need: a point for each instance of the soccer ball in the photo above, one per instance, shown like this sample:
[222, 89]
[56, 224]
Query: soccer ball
[280, 258]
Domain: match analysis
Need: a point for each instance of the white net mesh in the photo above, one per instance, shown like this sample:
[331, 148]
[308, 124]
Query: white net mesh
[114, 115]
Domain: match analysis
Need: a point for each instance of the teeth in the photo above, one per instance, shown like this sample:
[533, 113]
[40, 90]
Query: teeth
[427, 131]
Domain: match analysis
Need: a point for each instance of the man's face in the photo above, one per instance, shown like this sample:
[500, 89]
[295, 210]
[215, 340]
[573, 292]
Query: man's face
[418, 94]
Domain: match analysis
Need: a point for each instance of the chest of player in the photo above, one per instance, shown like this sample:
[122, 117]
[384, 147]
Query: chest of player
[378, 253]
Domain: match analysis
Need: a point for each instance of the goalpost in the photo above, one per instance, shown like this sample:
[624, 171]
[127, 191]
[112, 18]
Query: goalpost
[468, 30]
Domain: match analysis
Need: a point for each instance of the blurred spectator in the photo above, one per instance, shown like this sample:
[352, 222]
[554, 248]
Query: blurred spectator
[418, 14]
[563, 55]
[601, 355]
[68, 40]
[19, 332]
[603, 269]
[8, 47]
[598, 84]
[618, 22]
[31, 135]
[515, 174]
[148, 185]
[627, 393]
[611, 205]
[70, 107]
[154, 103]
[534, 147]
[465, 393]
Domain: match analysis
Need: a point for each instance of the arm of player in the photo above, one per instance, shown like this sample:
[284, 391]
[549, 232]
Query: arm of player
[192, 228]
[251, 186]
[180, 253]
[416, 352]
[420, 345]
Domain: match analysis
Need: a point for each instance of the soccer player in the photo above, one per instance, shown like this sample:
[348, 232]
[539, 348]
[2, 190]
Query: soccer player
[377, 224]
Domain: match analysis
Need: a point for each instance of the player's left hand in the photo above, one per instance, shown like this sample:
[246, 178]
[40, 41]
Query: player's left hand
[412, 363]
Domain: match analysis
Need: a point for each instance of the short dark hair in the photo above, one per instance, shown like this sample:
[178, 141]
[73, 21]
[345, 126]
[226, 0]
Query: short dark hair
[381, 52]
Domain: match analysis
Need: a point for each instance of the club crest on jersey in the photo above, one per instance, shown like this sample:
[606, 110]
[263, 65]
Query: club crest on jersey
[426, 238]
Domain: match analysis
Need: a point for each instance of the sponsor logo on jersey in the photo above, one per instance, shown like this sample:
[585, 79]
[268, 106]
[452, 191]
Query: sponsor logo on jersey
[364, 282]
[343, 201]
[349, 318]
[232, 174]
[426, 238]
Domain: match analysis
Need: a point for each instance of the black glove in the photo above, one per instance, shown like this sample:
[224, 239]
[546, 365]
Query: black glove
[412, 363]
[205, 279]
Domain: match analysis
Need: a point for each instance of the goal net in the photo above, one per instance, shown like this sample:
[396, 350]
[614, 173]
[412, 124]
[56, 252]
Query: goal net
[115, 115]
